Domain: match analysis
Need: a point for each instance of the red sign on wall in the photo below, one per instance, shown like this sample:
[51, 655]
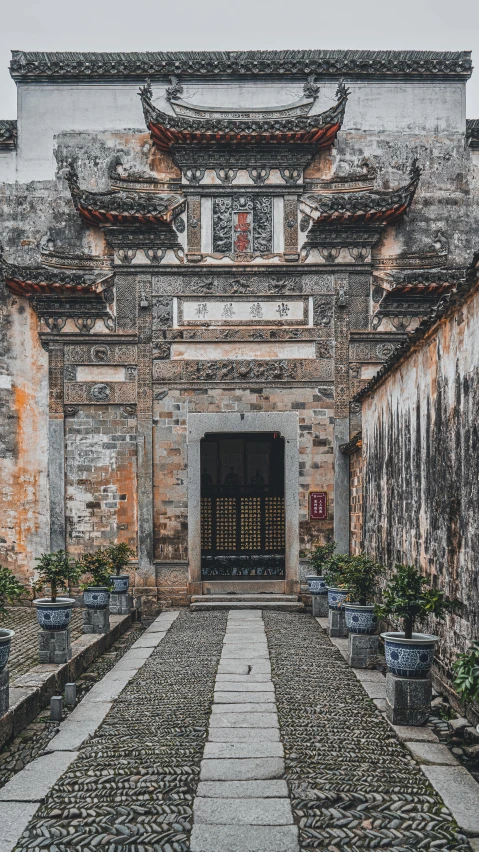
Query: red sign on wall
[318, 505]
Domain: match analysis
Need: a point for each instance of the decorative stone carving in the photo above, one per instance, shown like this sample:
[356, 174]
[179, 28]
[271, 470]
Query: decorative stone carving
[291, 176]
[70, 410]
[161, 350]
[243, 371]
[100, 393]
[162, 312]
[70, 373]
[291, 228]
[129, 410]
[194, 228]
[242, 225]
[259, 175]
[341, 353]
[233, 283]
[55, 379]
[226, 176]
[100, 353]
[322, 311]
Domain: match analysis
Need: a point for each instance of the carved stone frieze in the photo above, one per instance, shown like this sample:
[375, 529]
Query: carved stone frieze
[375, 351]
[194, 160]
[245, 283]
[237, 333]
[323, 311]
[243, 224]
[162, 312]
[100, 393]
[161, 349]
[100, 353]
[296, 370]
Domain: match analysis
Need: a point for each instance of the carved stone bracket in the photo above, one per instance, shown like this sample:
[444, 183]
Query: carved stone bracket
[70, 410]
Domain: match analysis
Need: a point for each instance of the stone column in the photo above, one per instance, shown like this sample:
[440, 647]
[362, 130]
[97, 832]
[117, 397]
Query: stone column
[145, 427]
[56, 447]
[341, 413]
[194, 517]
[194, 229]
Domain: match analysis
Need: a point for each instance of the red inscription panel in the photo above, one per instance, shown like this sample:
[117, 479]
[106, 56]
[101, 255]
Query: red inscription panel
[318, 505]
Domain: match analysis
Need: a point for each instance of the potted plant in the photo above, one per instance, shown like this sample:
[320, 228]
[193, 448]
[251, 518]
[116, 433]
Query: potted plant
[409, 597]
[334, 574]
[58, 571]
[118, 555]
[10, 591]
[320, 556]
[96, 587]
[361, 575]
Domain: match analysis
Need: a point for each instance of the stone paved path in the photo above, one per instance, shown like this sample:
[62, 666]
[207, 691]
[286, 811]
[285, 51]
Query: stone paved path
[239, 733]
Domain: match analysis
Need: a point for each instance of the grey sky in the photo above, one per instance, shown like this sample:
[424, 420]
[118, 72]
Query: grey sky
[122, 25]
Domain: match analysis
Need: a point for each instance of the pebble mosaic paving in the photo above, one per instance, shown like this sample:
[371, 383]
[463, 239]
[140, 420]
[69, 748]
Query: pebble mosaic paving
[195, 757]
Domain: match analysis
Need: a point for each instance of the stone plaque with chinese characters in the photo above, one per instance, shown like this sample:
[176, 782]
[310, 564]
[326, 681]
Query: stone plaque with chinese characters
[226, 311]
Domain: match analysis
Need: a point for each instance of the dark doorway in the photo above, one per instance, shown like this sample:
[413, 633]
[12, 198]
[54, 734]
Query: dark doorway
[242, 507]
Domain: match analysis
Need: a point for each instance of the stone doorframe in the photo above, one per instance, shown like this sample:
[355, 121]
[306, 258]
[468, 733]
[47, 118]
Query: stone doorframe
[287, 424]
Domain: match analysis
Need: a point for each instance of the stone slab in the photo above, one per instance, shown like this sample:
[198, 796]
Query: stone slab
[244, 749]
[473, 842]
[244, 707]
[371, 675]
[245, 686]
[272, 811]
[233, 667]
[259, 678]
[148, 640]
[243, 697]
[238, 838]
[273, 788]
[72, 735]
[35, 781]
[380, 704]
[459, 792]
[242, 652]
[243, 735]
[409, 733]
[14, 818]
[89, 711]
[431, 753]
[323, 622]
[244, 720]
[136, 655]
[245, 769]
[375, 689]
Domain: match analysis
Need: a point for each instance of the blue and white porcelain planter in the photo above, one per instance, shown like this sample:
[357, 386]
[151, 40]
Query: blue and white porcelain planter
[54, 615]
[120, 583]
[337, 597]
[361, 619]
[6, 637]
[316, 585]
[409, 657]
[96, 597]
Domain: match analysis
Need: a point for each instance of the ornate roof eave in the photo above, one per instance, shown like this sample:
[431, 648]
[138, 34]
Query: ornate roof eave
[380, 207]
[8, 134]
[420, 64]
[319, 130]
[472, 133]
[445, 307]
[117, 208]
[430, 282]
[40, 281]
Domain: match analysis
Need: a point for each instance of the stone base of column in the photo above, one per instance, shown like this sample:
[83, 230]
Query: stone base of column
[96, 620]
[362, 650]
[408, 700]
[4, 691]
[54, 646]
[337, 623]
[320, 606]
[120, 604]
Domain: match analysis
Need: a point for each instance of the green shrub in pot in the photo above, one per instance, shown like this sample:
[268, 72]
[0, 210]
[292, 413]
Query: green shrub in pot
[118, 556]
[10, 592]
[361, 575]
[58, 571]
[97, 580]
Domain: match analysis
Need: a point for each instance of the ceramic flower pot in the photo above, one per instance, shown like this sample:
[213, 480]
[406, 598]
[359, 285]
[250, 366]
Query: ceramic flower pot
[6, 637]
[316, 585]
[120, 583]
[96, 597]
[337, 597]
[54, 615]
[360, 619]
[409, 657]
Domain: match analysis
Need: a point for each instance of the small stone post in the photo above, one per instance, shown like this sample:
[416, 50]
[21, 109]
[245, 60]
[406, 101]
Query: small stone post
[56, 708]
[4, 691]
[362, 649]
[54, 646]
[337, 622]
[408, 700]
[320, 605]
[96, 620]
[120, 603]
[70, 694]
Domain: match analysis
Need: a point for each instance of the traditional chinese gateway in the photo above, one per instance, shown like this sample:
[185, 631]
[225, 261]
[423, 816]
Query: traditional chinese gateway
[204, 257]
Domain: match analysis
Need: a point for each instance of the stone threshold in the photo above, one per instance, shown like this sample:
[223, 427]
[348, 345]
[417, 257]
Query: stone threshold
[453, 783]
[31, 692]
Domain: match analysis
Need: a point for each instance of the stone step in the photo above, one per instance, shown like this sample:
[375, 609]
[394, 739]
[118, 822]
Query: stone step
[246, 596]
[209, 604]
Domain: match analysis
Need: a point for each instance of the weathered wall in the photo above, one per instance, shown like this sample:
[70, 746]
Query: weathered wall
[421, 469]
[356, 501]
[101, 478]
